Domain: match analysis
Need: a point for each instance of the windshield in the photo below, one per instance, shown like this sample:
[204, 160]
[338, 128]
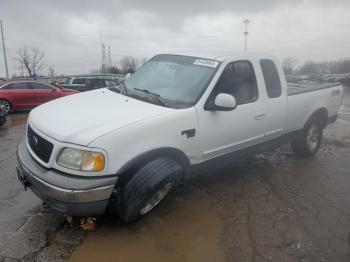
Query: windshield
[177, 80]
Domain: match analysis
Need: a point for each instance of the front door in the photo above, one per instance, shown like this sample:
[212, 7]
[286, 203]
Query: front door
[223, 132]
[22, 95]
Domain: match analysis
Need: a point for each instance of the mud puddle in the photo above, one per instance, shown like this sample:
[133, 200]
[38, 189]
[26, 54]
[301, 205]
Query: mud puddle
[16, 119]
[182, 230]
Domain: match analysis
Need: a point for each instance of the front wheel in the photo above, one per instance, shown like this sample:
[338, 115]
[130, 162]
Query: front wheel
[149, 185]
[310, 141]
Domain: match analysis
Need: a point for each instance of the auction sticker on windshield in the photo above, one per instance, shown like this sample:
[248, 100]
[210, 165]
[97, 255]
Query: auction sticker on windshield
[205, 62]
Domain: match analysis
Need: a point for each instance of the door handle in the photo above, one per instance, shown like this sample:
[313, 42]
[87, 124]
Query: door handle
[260, 116]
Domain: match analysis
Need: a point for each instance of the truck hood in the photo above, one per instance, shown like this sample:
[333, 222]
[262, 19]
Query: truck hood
[81, 118]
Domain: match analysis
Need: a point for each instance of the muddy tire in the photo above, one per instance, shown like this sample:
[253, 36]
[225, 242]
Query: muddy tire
[310, 141]
[149, 185]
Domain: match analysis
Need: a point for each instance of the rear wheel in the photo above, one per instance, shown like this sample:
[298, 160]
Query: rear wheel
[310, 141]
[5, 105]
[148, 187]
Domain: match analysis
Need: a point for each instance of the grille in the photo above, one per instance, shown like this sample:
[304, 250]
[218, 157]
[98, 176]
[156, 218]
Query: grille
[41, 147]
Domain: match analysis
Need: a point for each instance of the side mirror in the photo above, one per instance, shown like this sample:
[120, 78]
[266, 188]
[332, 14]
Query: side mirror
[224, 102]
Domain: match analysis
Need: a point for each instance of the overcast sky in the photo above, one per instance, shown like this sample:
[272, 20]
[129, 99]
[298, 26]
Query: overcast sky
[69, 31]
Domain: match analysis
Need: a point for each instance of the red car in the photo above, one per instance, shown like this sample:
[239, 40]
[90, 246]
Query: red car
[22, 95]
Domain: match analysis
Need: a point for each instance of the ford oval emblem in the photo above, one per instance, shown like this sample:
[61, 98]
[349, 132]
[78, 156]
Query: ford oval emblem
[34, 141]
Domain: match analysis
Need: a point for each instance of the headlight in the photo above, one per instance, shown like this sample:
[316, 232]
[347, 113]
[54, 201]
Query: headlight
[81, 160]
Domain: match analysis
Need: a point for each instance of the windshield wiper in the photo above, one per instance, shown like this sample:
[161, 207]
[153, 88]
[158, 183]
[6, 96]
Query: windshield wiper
[155, 96]
[147, 92]
[120, 88]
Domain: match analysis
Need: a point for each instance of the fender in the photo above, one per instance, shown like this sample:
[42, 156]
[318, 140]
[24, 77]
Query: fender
[321, 113]
[126, 171]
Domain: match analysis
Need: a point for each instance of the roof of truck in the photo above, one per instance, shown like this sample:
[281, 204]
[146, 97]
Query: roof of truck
[244, 55]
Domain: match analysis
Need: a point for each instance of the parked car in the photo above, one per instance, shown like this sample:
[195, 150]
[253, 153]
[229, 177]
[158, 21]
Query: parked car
[126, 148]
[3, 114]
[2, 80]
[22, 95]
[83, 84]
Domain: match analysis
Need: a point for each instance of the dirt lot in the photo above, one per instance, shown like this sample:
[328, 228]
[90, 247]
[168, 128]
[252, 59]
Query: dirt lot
[272, 207]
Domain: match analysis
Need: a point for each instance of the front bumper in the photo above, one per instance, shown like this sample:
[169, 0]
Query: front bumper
[73, 195]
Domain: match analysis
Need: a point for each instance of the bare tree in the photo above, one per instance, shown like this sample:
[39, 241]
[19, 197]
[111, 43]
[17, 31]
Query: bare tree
[289, 64]
[51, 72]
[309, 67]
[129, 64]
[31, 59]
[142, 61]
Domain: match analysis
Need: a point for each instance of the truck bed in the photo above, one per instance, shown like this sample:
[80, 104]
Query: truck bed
[304, 86]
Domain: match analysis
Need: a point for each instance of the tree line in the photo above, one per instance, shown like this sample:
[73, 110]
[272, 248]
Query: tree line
[291, 65]
[30, 62]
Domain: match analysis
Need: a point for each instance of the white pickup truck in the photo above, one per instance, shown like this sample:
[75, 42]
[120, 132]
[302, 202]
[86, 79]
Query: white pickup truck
[124, 148]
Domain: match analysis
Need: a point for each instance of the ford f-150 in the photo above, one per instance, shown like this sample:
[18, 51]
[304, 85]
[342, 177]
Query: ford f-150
[126, 147]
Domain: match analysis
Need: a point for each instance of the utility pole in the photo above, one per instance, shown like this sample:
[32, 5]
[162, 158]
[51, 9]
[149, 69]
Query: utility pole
[246, 22]
[109, 58]
[4, 50]
[103, 69]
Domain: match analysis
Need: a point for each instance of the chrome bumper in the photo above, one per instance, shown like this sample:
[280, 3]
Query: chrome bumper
[74, 195]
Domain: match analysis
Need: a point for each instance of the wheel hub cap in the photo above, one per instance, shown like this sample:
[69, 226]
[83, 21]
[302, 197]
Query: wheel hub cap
[312, 137]
[5, 105]
[156, 198]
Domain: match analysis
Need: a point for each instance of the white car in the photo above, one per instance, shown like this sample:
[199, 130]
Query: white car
[125, 148]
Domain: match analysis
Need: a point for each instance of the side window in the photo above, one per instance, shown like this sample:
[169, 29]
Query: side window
[79, 81]
[271, 77]
[16, 86]
[39, 86]
[97, 83]
[111, 83]
[238, 79]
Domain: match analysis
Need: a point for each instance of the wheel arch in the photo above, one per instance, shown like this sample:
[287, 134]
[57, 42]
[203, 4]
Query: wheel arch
[7, 100]
[321, 113]
[125, 173]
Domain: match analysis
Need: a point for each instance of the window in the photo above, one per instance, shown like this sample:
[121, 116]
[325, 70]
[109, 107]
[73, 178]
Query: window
[97, 83]
[178, 80]
[110, 83]
[39, 86]
[238, 79]
[79, 81]
[271, 77]
[16, 86]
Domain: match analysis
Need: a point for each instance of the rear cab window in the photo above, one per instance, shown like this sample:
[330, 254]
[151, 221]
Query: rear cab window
[271, 78]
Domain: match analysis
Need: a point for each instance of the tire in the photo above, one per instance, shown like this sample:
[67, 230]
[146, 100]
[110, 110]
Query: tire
[5, 105]
[310, 141]
[149, 185]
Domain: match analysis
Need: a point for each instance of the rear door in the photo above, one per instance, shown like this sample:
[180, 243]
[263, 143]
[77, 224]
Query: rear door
[43, 93]
[276, 104]
[22, 95]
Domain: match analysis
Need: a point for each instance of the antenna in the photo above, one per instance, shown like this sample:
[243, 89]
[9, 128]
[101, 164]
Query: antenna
[246, 22]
